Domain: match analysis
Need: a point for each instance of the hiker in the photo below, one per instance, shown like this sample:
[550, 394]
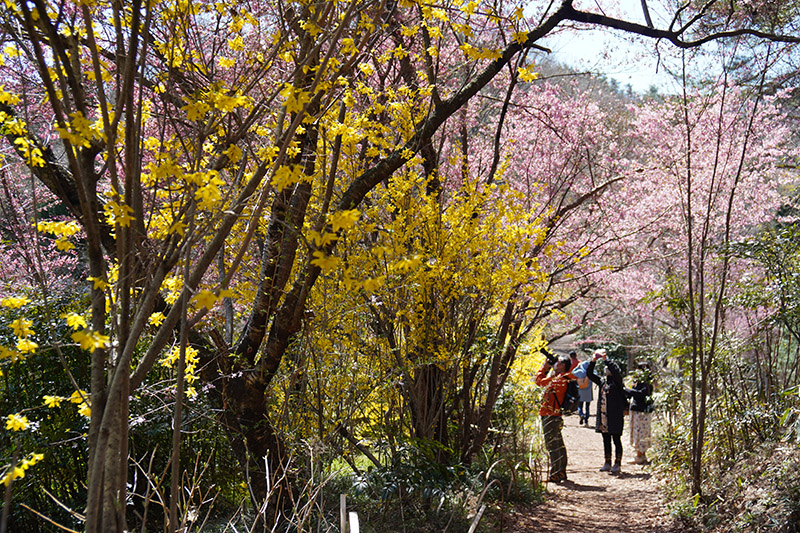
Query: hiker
[550, 411]
[641, 411]
[585, 394]
[611, 406]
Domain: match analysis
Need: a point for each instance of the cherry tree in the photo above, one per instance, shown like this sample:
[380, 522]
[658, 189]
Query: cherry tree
[712, 175]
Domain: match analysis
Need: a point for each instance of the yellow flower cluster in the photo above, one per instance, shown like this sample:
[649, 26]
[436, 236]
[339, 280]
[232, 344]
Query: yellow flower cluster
[117, 213]
[14, 302]
[79, 397]
[80, 131]
[286, 176]
[90, 340]
[24, 144]
[209, 194]
[192, 360]
[157, 318]
[5, 96]
[17, 423]
[171, 288]
[207, 299]
[61, 230]
[220, 99]
[25, 345]
[18, 470]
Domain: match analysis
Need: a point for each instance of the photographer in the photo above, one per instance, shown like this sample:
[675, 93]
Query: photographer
[611, 406]
[550, 411]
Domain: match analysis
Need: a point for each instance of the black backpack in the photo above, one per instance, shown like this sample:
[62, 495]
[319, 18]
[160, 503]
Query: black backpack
[571, 398]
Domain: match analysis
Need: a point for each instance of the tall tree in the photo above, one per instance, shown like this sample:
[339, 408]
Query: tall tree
[716, 156]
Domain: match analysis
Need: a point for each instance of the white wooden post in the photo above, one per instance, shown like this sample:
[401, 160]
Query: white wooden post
[343, 513]
[354, 522]
[477, 519]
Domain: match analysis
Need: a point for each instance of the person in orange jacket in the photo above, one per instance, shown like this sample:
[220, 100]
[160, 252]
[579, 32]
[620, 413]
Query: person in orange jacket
[550, 411]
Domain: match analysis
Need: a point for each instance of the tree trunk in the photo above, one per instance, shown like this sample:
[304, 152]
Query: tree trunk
[427, 400]
[108, 468]
[240, 395]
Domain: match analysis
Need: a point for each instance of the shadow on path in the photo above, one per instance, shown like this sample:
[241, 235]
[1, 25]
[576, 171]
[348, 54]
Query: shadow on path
[571, 485]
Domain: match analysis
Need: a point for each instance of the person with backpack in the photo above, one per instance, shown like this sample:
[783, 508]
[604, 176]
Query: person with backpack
[552, 409]
[612, 403]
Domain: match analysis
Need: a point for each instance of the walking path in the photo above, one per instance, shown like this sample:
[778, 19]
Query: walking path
[593, 501]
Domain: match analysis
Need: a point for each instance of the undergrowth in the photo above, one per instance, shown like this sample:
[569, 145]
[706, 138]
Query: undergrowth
[429, 497]
[756, 491]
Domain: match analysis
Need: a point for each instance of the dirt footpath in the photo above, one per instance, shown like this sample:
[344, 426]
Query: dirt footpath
[593, 501]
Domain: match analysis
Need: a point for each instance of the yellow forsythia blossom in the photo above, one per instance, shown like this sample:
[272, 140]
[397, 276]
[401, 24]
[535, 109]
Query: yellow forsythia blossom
[78, 396]
[75, 321]
[156, 319]
[205, 298]
[26, 346]
[325, 262]
[344, 219]
[98, 283]
[18, 471]
[22, 327]
[17, 423]
[192, 360]
[90, 340]
[53, 401]
[13, 302]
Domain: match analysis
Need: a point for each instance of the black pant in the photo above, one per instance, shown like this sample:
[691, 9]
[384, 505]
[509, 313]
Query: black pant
[617, 445]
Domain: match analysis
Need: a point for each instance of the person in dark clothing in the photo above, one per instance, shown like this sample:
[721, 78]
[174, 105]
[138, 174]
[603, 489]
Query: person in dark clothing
[611, 406]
